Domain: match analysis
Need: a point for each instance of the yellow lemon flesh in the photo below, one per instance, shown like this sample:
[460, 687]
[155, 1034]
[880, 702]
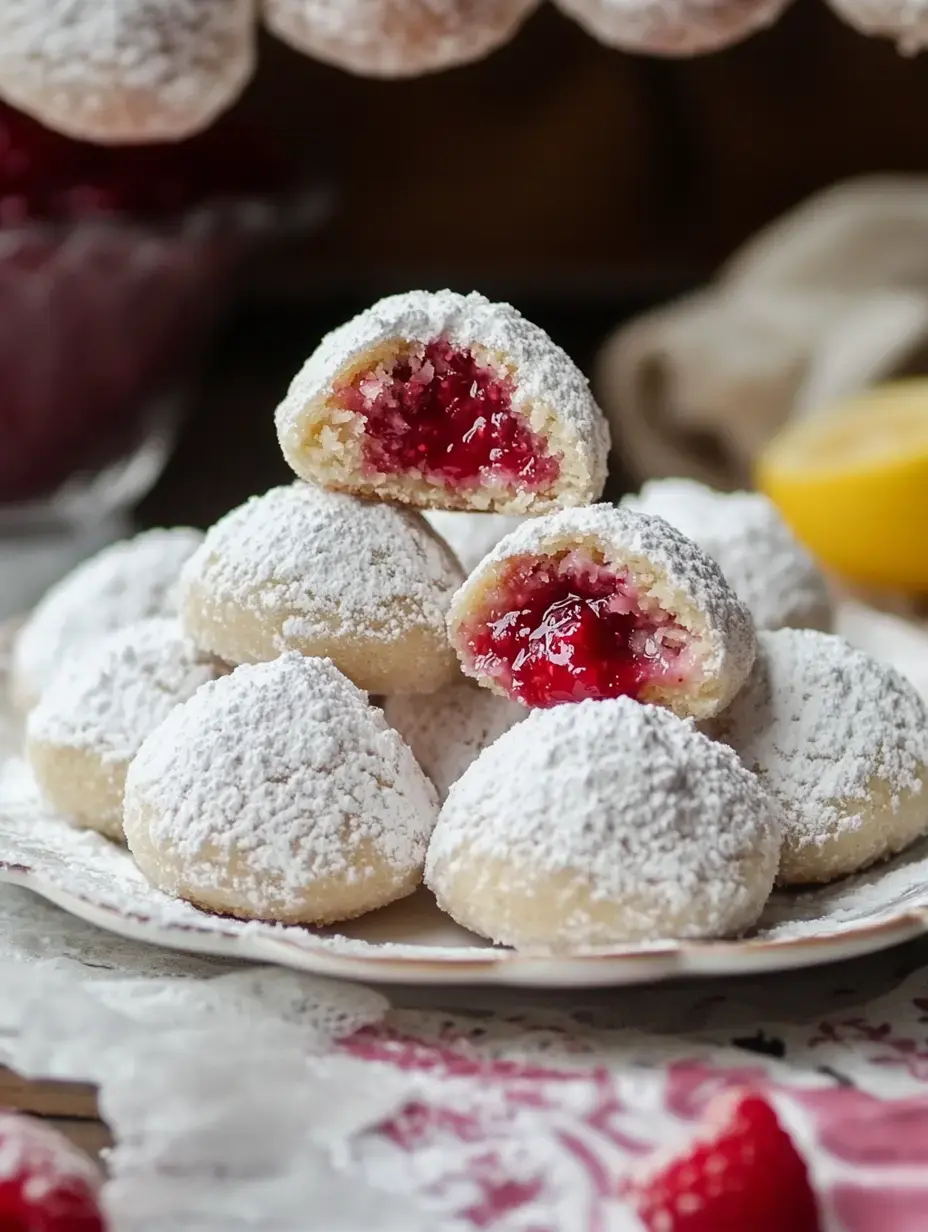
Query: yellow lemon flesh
[852, 482]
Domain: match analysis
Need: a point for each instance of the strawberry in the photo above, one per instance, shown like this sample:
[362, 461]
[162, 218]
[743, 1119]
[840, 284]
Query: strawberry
[739, 1173]
[46, 1183]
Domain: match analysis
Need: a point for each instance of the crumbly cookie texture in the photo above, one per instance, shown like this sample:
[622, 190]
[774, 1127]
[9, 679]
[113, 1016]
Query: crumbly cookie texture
[126, 71]
[93, 718]
[396, 38]
[329, 575]
[841, 742]
[279, 793]
[126, 582]
[602, 824]
[743, 532]
[672, 27]
[448, 730]
[446, 401]
[598, 602]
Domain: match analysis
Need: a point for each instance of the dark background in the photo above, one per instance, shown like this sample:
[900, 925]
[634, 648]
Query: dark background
[580, 183]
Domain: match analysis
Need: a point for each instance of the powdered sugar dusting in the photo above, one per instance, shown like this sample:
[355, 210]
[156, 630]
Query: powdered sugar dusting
[622, 795]
[286, 766]
[820, 721]
[448, 729]
[672, 27]
[125, 70]
[390, 38]
[130, 581]
[620, 535]
[471, 535]
[117, 694]
[329, 563]
[542, 373]
[766, 566]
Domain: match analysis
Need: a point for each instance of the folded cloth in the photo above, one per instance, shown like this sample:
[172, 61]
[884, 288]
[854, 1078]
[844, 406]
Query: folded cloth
[829, 299]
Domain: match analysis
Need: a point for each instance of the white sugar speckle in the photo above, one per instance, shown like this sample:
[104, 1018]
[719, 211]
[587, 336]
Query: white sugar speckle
[629, 800]
[328, 563]
[396, 40]
[743, 532]
[823, 724]
[118, 693]
[285, 767]
[448, 729]
[125, 70]
[129, 581]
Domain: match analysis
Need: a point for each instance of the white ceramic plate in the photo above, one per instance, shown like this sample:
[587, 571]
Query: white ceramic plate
[413, 942]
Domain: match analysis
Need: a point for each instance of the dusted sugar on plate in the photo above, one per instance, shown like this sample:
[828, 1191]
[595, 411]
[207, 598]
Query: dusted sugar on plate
[446, 401]
[841, 742]
[126, 582]
[743, 532]
[365, 584]
[603, 602]
[279, 793]
[605, 823]
[93, 718]
[448, 729]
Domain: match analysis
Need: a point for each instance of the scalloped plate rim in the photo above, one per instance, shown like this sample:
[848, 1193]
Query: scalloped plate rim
[668, 961]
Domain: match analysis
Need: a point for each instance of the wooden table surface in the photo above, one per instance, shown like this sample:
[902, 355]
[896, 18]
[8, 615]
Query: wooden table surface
[69, 1107]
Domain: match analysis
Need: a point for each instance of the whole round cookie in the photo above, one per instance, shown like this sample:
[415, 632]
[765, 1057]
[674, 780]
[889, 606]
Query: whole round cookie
[396, 38]
[672, 27]
[446, 401]
[605, 823]
[448, 729]
[841, 742]
[603, 602]
[125, 72]
[126, 582]
[93, 718]
[471, 536]
[324, 573]
[743, 532]
[278, 793]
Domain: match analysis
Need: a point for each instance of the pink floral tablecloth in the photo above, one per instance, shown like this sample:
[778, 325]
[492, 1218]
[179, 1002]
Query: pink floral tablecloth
[250, 1098]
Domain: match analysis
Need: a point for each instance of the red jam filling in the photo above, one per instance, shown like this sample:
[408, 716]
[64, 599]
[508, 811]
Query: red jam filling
[442, 414]
[569, 629]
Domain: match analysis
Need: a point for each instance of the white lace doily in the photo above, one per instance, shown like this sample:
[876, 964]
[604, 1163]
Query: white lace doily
[250, 1098]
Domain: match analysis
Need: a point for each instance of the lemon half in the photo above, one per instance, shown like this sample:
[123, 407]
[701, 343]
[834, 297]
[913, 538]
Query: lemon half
[852, 482]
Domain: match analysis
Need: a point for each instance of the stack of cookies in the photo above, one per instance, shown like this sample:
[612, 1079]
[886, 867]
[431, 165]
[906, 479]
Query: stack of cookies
[692, 731]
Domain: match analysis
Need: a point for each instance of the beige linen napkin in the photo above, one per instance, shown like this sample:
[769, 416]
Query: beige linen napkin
[827, 300]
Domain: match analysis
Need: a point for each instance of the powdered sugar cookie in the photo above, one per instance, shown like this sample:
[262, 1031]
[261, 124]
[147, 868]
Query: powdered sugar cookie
[128, 581]
[841, 742]
[446, 401]
[129, 71]
[672, 27]
[603, 824]
[278, 793]
[471, 536]
[448, 729]
[298, 568]
[92, 719]
[396, 38]
[761, 558]
[603, 602]
[903, 22]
